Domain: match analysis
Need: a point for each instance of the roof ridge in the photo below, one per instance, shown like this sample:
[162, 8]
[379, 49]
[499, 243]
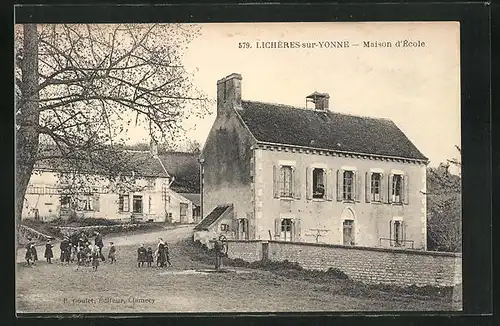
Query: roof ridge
[326, 111]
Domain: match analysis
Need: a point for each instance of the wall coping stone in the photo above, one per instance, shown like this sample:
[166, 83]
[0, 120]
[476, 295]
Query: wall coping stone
[390, 250]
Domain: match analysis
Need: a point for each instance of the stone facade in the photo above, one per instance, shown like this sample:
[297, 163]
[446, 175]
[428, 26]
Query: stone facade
[240, 170]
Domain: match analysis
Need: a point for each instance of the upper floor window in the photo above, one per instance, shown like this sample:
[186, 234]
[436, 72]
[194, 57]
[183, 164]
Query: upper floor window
[123, 203]
[375, 191]
[318, 183]
[397, 188]
[348, 185]
[286, 180]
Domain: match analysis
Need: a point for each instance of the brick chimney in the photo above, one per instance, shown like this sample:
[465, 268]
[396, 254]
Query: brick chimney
[153, 148]
[228, 93]
[320, 100]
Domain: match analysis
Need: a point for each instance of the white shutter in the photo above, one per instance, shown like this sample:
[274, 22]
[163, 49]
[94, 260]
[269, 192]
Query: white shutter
[390, 180]
[406, 190]
[277, 228]
[275, 182]
[296, 183]
[340, 185]
[368, 186]
[357, 185]
[329, 184]
[308, 184]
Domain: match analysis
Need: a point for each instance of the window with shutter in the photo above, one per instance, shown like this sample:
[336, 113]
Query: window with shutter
[319, 177]
[397, 189]
[389, 188]
[348, 186]
[286, 181]
[375, 191]
[277, 228]
[368, 186]
[357, 186]
[286, 229]
[96, 202]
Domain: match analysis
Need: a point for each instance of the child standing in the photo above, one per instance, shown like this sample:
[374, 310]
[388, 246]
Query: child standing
[48, 252]
[28, 255]
[141, 255]
[112, 253]
[95, 257]
[149, 256]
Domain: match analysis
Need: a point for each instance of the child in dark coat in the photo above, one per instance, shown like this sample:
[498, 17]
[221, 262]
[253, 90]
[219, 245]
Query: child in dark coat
[48, 252]
[149, 256]
[141, 255]
[28, 255]
[112, 253]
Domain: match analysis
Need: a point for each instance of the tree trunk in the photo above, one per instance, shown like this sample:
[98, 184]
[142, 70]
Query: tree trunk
[27, 120]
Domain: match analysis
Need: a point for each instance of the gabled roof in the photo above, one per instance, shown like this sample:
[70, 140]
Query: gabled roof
[214, 215]
[194, 198]
[282, 124]
[185, 168]
[103, 163]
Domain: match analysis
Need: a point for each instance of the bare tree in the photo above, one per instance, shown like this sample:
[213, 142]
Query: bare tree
[444, 207]
[79, 88]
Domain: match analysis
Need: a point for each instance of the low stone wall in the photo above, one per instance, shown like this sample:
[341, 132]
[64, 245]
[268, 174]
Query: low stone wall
[368, 265]
[248, 250]
[104, 229]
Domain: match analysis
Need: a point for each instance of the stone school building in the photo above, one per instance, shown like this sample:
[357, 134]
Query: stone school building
[277, 172]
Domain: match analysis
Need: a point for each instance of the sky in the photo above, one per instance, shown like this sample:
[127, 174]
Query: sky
[416, 87]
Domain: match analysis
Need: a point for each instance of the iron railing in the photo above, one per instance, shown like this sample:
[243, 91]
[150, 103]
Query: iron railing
[397, 242]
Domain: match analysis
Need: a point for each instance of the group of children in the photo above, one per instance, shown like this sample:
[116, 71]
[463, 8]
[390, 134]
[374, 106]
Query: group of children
[146, 255]
[86, 254]
[82, 252]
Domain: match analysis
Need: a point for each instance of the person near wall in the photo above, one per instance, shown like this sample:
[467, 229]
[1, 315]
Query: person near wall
[48, 252]
[218, 253]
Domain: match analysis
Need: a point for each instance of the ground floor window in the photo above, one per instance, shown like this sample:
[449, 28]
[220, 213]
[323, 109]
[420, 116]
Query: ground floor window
[123, 203]
[85, 203]
[183, 212]
[137, 204]
[243, 229]
[348, 232]
[397, 233]
[286, 229]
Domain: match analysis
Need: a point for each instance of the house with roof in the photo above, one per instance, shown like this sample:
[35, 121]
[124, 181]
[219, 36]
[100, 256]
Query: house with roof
[142, 193]
[277, 172]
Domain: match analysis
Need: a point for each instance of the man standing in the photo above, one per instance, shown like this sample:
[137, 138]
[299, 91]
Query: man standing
[100, 244]
[218, 253]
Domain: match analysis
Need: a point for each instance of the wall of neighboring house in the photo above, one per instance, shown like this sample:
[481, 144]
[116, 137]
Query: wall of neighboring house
[42, 198]
[227, 158]
[180, 208]
[371, 220]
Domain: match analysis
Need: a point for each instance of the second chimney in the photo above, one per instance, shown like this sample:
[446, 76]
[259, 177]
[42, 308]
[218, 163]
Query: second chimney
[228, 93]
[320, 100]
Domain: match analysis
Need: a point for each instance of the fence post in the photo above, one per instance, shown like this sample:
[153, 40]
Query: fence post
[265, 250]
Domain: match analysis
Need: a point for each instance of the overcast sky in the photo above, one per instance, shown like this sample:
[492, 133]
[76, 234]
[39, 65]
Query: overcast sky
[418, 88]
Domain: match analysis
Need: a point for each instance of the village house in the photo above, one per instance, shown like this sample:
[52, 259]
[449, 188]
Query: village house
[143, 195]
[276, 172]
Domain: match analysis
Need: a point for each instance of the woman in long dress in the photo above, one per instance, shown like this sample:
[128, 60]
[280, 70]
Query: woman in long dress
[162, 257]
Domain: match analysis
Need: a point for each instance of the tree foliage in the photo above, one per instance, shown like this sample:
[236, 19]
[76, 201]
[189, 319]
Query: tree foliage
[444, 207]
[80, 88]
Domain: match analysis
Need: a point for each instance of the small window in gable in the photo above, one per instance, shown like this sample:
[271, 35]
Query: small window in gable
[224, 227]
[318, 183]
